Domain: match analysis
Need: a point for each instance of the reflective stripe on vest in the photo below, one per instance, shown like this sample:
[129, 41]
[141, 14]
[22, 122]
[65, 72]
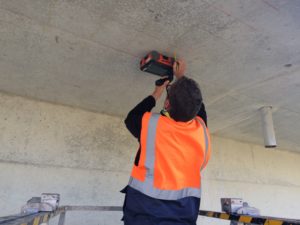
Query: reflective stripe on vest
[206, 142]
[147, 186]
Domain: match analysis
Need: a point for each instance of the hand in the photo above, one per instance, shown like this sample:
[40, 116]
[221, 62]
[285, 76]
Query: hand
[160, 89]
[179, 67]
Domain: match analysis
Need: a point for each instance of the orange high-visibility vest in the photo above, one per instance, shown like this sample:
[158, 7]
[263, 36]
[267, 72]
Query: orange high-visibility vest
[172, 157]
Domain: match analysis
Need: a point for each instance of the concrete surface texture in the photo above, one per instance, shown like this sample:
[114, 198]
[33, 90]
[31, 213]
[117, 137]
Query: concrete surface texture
[87, 158]
[244, 54]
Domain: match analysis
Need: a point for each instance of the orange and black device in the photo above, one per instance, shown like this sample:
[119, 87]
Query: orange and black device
[158, 64]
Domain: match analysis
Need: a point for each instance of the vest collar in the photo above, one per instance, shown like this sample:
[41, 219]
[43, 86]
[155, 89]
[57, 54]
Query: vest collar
[165, 113]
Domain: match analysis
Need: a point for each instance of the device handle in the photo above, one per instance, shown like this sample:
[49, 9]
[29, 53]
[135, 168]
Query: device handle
[161, 81]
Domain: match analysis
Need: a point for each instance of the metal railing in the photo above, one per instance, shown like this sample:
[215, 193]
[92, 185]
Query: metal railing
[44, 217]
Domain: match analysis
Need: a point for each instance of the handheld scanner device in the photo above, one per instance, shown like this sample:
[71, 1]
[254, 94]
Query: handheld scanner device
[158, 64]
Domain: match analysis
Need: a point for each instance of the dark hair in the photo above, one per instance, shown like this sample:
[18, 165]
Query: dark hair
[185, 99]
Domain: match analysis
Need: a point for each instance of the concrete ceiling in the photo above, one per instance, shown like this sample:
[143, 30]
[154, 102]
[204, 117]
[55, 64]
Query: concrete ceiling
[85, 53]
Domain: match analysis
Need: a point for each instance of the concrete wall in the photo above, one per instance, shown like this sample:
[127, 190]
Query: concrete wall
[87, 157]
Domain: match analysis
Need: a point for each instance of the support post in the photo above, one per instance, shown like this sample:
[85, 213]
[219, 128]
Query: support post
[62, 218]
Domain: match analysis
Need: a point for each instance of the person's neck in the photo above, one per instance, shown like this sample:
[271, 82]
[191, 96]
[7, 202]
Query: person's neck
[165, 113]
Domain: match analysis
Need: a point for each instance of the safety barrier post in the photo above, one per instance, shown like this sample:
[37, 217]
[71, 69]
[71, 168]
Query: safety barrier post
[62, 218]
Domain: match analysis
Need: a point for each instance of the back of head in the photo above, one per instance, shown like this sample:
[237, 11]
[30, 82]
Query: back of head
[185, 99]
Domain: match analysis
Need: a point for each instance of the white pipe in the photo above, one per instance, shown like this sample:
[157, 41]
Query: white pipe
[268, 127]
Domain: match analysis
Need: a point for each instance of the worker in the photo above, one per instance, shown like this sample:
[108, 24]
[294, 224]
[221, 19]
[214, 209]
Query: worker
[165, 183]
